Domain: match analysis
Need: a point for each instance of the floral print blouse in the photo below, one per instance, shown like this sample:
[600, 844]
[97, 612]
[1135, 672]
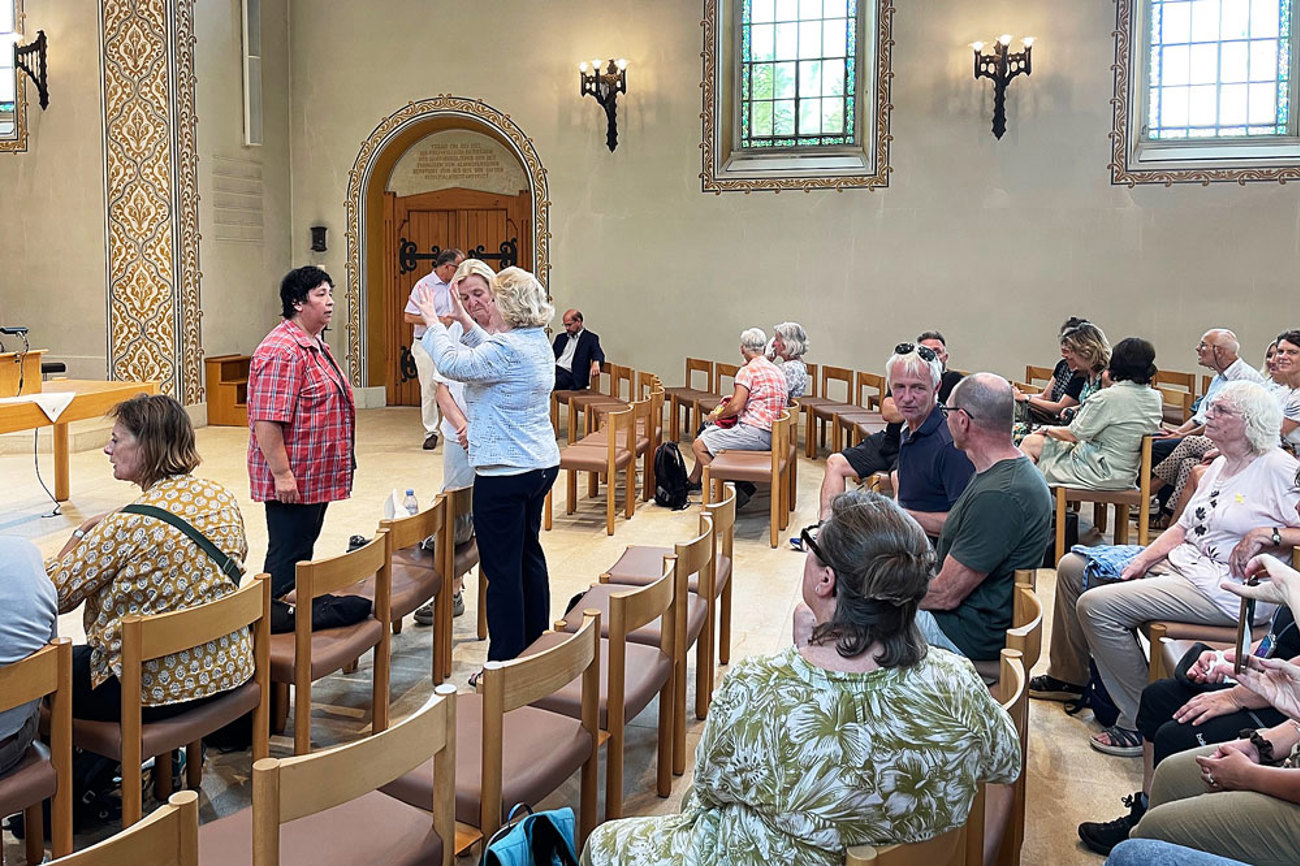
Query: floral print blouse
[135, 564]
[796, 763]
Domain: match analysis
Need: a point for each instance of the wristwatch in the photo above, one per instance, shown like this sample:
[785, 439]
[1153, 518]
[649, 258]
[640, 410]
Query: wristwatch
[1277, 536]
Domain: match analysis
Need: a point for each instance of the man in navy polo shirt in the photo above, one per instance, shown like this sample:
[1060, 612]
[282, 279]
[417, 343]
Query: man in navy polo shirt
[932, 472]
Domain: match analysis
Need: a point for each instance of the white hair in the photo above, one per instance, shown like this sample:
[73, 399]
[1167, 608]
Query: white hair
[794, 337]
[913, 363]
[1259, 410]
[753, 340]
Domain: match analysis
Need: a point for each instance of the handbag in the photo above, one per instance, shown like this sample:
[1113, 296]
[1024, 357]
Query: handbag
[532, 839]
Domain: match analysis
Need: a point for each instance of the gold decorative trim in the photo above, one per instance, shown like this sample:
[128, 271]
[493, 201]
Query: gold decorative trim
[18, 144]
[1123, 127]
[445, 105]
[151, 193]
[711, 180]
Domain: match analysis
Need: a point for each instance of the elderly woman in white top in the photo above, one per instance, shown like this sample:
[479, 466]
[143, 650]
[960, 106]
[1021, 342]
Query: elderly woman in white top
[788, 346]
[508, 370]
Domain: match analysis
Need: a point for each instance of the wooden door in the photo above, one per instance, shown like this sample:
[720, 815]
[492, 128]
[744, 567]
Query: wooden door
[489, 226]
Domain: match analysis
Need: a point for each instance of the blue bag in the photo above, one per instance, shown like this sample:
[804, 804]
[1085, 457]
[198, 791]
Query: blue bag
[536, 839]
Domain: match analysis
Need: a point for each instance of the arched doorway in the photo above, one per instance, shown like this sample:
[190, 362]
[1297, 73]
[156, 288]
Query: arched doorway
[378, 263]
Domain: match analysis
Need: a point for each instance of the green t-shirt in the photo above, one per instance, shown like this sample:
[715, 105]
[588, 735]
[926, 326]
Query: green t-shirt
[1000, 523]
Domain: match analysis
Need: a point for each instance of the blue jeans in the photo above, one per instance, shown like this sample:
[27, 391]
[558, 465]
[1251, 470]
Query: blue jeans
[1151, 852]
[934, 635]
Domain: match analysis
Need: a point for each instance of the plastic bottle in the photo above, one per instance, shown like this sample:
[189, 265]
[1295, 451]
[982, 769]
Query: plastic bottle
[410, 503]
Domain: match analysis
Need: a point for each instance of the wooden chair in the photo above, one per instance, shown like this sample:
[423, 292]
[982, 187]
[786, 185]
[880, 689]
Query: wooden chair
[685, 396]
[149, 637]
[44, 773]
[648, 385]
[509, 752]
[694, 558]
[301, 657]
[168, 837]
[325, 808]
[647, 419]
[417, 575]
[724, 385]
[960, 846]
[769, 467]
[822, 415]
[635, 674]
[1136, 497]
[1025, 635]
[865, 411]
[592, 404]
[614, 452]
[464, 559]
[1013, 694]
[1179, 393]
[564, 396]
[1034, 375]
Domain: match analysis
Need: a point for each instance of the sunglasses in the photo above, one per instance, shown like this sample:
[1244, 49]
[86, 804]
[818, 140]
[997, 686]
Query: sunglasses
[946, 410]
[927, 354]
[809, 538]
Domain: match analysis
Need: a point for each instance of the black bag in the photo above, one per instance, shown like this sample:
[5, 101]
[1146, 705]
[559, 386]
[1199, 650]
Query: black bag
[1071, 538]
[1095, 698]
[327, 611]
[670, 477]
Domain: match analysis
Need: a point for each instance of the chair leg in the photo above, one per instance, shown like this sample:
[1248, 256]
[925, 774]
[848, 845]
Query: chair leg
[302, 717]
[1121, 524]
[679, 717]
[704, 667]
[776, 509]
[611, 489]
[35, 842]
[279, 707]
[809, 443]
[1099, 516]
[397, 626]
[664, 758]
[546, 512]
[162, 777]
[571, 491]
[1060, 525]
[724, 621]
[482, 604]
[614, 775]
[351, 667]
[629, 507]
[194, 765]
[587, 817]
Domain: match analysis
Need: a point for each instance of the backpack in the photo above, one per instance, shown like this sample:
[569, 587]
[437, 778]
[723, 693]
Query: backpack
[531, 838]
[1095, 698]
[670, 477]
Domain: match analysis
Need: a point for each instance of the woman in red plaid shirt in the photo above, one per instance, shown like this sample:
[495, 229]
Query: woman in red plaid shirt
[303, 420]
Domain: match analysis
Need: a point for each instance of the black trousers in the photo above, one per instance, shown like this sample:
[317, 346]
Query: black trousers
[291, 533]
[1161, 700]
[564, 380]
[104, 704]
[508, 523]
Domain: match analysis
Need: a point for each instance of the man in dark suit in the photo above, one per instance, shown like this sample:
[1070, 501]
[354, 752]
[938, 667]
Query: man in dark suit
[577, 355]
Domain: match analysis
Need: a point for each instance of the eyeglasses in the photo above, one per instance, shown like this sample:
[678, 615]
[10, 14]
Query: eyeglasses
[926, 353]
[1220, 411]
[945, 410]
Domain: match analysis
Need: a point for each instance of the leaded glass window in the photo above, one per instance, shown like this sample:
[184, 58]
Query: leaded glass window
[8, 79]
[1219, 69]
[798, 73]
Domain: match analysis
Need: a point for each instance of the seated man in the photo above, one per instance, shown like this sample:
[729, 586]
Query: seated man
[879, 451]
[30, 621]
[1000, 523]
[931, 472]
[578, 355]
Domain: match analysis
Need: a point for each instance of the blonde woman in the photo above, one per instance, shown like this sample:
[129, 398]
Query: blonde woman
[509, 371]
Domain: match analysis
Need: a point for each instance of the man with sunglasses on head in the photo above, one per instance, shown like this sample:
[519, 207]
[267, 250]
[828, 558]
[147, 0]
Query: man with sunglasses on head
[879, 451]
[1000, 523]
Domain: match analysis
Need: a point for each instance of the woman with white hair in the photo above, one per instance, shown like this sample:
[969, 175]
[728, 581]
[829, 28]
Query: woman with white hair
[757, 401]
[508, 370]
[789, 344]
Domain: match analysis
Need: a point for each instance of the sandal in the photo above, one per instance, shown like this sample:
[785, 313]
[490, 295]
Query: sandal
[1123, 742]
[475, 678]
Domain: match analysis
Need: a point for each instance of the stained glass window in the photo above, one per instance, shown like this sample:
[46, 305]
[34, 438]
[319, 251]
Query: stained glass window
[798, 70]
[8, 80]
[1219, 69]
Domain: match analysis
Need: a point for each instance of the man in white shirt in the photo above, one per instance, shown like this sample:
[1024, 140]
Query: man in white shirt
[577, 354]
[436, 281]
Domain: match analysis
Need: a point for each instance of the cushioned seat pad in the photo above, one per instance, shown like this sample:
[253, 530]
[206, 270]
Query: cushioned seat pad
[30, 782]
[540, 750]
[744, 466]
[584, 458]
[413, 585]
[697, 610]
[157, 738]
[641, 565]
[370, 829]
[646, 671]
[331, 649]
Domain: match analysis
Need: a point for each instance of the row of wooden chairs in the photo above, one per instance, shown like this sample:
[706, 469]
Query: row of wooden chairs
[778, 467]
[1178, 391]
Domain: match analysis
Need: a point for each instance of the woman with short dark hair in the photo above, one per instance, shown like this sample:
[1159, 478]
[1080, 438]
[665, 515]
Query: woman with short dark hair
[858, 734]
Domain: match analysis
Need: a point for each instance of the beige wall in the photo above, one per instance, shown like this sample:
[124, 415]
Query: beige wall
[52, 271]
[992, 241]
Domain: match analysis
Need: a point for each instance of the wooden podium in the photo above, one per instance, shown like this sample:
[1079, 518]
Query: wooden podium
[20, 367]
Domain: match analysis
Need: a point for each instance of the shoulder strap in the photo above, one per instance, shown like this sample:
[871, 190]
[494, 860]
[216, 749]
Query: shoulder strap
[228, 564]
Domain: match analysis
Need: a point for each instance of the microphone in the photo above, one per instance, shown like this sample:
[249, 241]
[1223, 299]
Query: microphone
[13, 332]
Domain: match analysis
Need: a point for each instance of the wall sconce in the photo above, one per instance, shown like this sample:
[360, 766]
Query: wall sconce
[1000, 67]
[605, 86]
[30, 58]
[318, 239]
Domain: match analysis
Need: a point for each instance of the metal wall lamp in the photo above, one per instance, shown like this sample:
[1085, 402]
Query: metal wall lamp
[605, 87]
[1000, 67]
[30, 58]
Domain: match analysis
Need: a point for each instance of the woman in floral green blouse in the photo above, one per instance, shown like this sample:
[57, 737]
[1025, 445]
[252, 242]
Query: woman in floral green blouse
[858, 734]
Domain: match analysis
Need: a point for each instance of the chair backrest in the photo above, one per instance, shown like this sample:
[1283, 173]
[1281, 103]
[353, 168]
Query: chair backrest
[1026, 632]
[782, 430]
[870, 380]
[1028, 577]
[1013, 694]
[722, 370]
[1033, 374]
[656, 415]
[48, 671]
[290, 788]
[723, 513]
[1173, 379]
[408, 531]
[696, 557]
[838, 374]
[812, 380]
[960, 846]
[622, 382]
[168, 837]
[333, 573]
[700, 365]
[645, 383]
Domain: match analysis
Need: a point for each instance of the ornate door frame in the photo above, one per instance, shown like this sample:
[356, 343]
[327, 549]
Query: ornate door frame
[368, 179]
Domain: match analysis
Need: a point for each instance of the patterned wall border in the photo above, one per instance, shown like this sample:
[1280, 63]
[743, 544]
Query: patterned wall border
[18, 144]
[151, 193]
[712, 181]
[442, 105]
[1122, 134]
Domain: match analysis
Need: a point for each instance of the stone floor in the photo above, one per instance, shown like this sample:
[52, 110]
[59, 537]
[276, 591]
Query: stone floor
[1068, 781]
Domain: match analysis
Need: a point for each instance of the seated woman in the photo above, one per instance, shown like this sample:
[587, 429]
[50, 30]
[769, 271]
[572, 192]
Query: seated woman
[123, 563]
[759, 397]
[789, 344]
[1068, 378]
[1286, 385]
[1240, 799]
[30, 621]
[859, 734]
[1102, 447]
[1251, 485]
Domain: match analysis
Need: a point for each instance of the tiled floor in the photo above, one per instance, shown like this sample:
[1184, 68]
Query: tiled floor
[1068, 781]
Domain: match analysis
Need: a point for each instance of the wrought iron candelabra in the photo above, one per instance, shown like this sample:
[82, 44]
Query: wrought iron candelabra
[1000, 67]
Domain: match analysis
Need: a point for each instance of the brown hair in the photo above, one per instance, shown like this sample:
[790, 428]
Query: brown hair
[164, 434]
[1089, 343]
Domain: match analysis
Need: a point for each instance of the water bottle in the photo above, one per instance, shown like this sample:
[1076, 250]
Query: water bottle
[410, 503]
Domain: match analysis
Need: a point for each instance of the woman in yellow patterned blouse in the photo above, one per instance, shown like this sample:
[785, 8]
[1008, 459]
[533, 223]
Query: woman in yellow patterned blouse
[858, 734]
[122, 563]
